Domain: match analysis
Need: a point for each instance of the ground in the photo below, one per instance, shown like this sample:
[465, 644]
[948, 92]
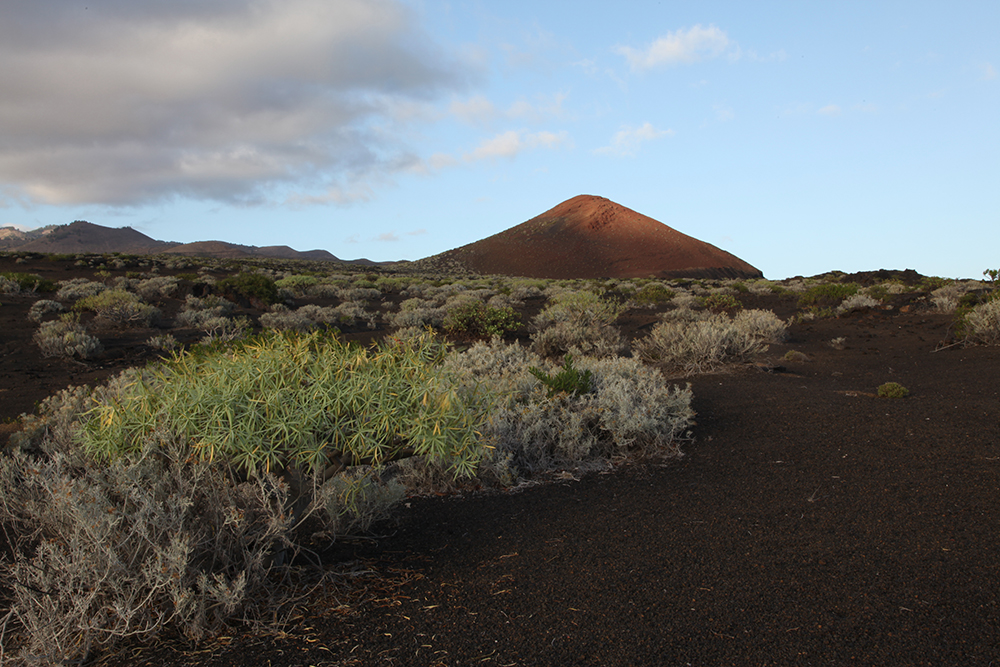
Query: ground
[810, 522]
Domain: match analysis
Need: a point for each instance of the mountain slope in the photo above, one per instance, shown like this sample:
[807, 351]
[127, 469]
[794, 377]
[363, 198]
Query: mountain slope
[593, 237]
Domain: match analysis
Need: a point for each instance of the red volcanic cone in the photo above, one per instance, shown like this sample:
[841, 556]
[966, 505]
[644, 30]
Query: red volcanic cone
[593, 237]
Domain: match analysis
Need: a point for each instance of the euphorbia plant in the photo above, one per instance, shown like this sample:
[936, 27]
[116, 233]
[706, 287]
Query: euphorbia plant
[301, 406]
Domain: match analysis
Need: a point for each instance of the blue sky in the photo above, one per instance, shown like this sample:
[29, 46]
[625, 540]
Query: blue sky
[800, 136]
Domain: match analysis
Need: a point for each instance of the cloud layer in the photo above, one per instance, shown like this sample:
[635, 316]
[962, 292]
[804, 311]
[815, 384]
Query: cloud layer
[127, 103]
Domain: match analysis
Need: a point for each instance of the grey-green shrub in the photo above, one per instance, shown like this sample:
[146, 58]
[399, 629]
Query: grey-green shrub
[118, 308]
[581, 323]
[66, 337]
[159, 287]
[78, 288]
[43, 307]
[630, 410]
[857, 302]
[982, 323]
[702, 345]
[197, 311]
[128, 547]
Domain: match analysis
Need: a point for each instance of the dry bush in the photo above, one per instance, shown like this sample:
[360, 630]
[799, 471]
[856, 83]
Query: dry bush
[581, 323]
[122, 549]
[982, 323]
[78, 288]
[857, 302]
[66, 337]
[705, 344]
[946, 298]
[418, 312]
[119, 309]
[197, 311]
[630, 410]
[43, 307]
[158, 287]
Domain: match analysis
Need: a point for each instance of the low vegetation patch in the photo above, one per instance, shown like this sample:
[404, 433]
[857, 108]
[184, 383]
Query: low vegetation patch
[706, 344]
[581, 323]
[893, 390]
[170, 496]
[66, 337]
[476, 319]
[828, 294]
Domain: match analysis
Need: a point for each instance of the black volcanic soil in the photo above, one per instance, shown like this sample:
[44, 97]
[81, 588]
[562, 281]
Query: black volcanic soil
[810, 523]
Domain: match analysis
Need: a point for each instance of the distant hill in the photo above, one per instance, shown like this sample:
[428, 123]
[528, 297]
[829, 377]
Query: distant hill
[592, 237]
[86, 237]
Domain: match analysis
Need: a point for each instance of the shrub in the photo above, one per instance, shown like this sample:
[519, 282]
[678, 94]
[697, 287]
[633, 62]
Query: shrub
[66, 337]
[478, 320]
[417, 312]
[893, 390]
[718, 303]
[225, 329]
[119, 308]
[171, 501]
[827, 294]
[703, 345]
[654, 294]
[160, 287]
[25, 282]
[163, 342]
[43, 307]
[982, 323]
[128, 547]
[78, 288]
[198, 311]
[580, 323]
[761, 325]
[297, 284]
[568, 380]
[856, 302]
[630, 410]
[253, 287]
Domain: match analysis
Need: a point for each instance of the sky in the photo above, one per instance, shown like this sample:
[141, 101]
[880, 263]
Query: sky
[802, 137]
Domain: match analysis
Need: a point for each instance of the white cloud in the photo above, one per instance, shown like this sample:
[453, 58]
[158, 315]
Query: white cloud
[989, 72]
[723, 113]
[627, 140]
[387, 237]
[509, 144]
[679, 47]
[829, 110]
[130, 103]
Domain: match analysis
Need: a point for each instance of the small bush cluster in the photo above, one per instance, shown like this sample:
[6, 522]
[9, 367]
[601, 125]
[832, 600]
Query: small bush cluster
[66, 337]
[629, 409]
[170, 496]
[982, 323]
[857, 302]
[256, 288]
[580, 323]
[476, 319]
[15, 281]
[118, 308]
[828, 294]
[705, 344]
[893, 390]
[197, 311]
[653, 294]
[43, 307]
[158, 287]
[78, 288]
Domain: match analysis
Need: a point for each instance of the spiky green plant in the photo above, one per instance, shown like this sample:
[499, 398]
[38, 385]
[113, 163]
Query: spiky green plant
[297, 405]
